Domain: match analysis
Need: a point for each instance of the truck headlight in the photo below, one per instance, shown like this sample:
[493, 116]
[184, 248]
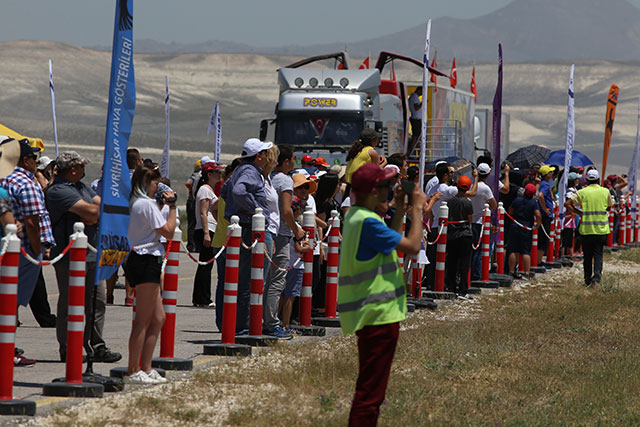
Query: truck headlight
[344, 82]
[298, 81]
[328, 82]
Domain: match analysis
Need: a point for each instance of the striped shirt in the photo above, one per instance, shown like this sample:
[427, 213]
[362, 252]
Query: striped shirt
[28, 199]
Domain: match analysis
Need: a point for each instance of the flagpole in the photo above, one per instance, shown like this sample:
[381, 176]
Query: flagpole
[568, 148]
[53, 106]
[218, 128]
[425, 91]
[165, 160]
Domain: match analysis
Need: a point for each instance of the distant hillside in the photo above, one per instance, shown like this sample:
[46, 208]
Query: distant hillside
[530, 30]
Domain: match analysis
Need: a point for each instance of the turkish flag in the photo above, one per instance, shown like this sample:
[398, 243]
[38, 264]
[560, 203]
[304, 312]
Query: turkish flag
[473, 84]
[364, 65]
[453, 79]
[319, 125]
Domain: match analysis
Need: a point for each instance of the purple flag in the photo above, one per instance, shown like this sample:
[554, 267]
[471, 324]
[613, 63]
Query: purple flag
[497, 127]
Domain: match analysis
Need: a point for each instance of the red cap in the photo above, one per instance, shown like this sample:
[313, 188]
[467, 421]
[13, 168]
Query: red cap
[464, 183]
[307, 159]
[368, 176]
[211, 166]
[320, 161]
[529, 190]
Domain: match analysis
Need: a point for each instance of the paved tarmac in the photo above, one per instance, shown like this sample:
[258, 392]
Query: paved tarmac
[194, 325]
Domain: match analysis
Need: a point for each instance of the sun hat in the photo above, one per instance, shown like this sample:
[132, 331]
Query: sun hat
[300, 180]
[9, 155]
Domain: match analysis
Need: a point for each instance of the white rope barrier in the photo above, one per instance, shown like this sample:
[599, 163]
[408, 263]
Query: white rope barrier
[62, 254]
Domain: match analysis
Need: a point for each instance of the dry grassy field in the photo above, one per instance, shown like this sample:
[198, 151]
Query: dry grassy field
[549, 352]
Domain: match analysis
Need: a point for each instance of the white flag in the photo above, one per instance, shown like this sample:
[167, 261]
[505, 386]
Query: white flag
[633, 168]
[53, 106]
[568, 148]
[216, 123]
[164, 161]
[425, 80]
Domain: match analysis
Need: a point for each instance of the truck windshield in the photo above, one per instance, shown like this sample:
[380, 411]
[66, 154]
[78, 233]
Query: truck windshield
[318, 130]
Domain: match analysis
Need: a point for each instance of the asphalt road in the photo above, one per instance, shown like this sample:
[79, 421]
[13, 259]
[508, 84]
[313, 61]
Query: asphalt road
[194, 325]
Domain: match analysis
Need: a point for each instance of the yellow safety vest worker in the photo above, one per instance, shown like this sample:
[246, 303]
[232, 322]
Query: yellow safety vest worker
[594, 200]
[370, 292]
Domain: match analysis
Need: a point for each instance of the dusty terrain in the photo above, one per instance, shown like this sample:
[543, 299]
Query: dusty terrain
[535, 94]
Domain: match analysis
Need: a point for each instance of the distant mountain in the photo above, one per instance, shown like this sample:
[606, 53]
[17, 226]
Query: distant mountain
[530, 30]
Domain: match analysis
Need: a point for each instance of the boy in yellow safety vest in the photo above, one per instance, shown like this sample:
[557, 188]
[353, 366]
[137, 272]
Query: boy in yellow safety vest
[371, 292]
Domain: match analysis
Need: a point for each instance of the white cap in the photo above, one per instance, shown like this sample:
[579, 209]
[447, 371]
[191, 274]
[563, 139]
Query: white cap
[253, 146]
[484, 169]
[205, 159]
[394, 167]
[593, 175]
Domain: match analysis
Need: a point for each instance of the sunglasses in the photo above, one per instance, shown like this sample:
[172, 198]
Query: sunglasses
[305, 187]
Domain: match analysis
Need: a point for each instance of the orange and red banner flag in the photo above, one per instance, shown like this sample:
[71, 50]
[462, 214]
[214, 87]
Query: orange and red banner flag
[612, 103]
[364, 65]
[434, 64]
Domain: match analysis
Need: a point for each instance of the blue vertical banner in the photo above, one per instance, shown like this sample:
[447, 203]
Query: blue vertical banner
[497, 126]
[165, 159]
[217, 124]
[113, 243]
[425, 91]
[568, 148]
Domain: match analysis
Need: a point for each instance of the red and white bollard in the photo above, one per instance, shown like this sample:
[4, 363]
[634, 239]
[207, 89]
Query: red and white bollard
[306, 293]
[255, 336]
[486, 244]
[309, 226]
[257, 273]
[558, 231]
[636, 227]
[534, 247]
[629, 227]
[330, 318]
[228, 346]
[552, 236]
[8, 311]
[622, 225]
[500, 244]
[73, 384]
[441, 248]
[401, 254]
[415, 277]
[484, 281]
[167, 360]
[611, 221]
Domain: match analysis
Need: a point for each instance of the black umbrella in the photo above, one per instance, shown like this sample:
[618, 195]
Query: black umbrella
[528, 156]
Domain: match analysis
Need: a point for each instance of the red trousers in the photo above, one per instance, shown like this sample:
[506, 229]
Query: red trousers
[376, 348]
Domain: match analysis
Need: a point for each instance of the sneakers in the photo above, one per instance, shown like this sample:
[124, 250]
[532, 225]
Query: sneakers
[128, 302]
[105, 355]
[465, 297]
[23, 362]
[154, 375]
[140, 377]
[280, 333]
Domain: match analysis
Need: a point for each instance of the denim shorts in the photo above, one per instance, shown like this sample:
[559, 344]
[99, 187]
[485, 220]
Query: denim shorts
[294, 283]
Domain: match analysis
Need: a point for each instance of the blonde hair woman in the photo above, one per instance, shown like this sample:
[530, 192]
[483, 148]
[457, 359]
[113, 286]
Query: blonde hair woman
[273, 222]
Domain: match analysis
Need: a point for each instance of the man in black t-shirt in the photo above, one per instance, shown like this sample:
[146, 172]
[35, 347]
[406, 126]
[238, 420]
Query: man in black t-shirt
[459, 238]
[69, 201]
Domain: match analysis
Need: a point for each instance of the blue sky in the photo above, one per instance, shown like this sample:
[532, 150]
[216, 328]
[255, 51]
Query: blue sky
[255, 22]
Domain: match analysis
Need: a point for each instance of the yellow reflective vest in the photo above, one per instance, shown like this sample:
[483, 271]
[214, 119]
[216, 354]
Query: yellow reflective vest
[370, 292]
[595, 202]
